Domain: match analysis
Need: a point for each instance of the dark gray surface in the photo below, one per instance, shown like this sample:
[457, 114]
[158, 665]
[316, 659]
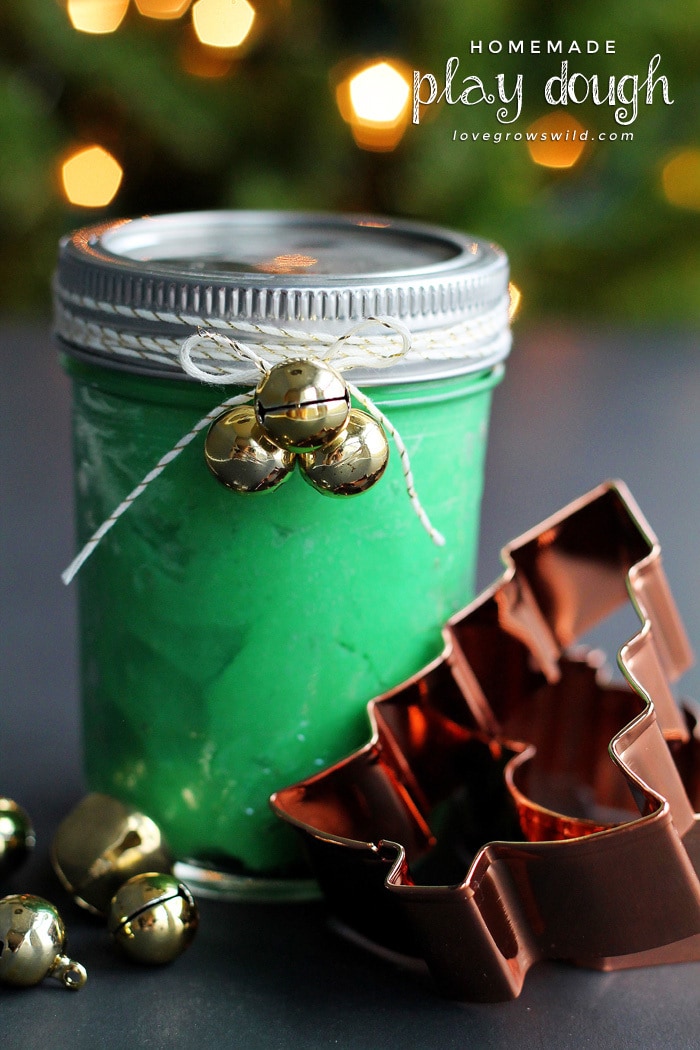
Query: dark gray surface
[576, 407]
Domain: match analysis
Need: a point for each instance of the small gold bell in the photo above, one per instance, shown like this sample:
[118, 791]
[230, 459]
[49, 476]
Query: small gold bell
[32, 940]
[153, 918]
[240, 454]
[16, 836]
[302, 404]
[352, 463]
[100, 845]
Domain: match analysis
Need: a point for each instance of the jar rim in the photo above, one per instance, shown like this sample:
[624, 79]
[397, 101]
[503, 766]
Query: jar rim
[350, 248]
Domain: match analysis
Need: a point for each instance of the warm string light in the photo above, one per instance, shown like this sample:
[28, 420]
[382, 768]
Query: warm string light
[375, 100]
[96, 16]
[515, 298]
[91, 177]
[680, 179]
[222, 23]
[558, 143]
[162, 9]
[378, 94]
[198, 60]
[217, 23]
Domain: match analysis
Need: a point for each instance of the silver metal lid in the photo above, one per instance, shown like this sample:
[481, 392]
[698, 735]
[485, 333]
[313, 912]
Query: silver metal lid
[156, 280]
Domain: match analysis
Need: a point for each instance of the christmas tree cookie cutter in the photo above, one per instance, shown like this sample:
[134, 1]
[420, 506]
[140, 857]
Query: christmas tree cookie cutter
[513, 805]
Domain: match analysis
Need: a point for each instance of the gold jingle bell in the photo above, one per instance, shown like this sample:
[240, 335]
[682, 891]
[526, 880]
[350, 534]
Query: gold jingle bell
[100, 845]
[153, 918]
[16, 836]
[302, 404]
[32, 941]
[352, 463]
[240, 454]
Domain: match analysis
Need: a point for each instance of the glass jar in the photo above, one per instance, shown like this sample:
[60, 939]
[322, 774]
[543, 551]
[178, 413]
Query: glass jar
[230, 642]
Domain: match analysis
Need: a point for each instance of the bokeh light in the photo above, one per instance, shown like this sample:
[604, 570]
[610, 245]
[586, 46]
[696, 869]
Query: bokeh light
[96, 16]
[374, 101]
[680, 179]
[162, 9]
[200, 61]
[558, 143]
[515, 297]
[378, 94]
[91, 177]
[222, 23]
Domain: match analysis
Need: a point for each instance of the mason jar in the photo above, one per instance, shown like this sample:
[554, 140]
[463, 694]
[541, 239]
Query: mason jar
[231, 641]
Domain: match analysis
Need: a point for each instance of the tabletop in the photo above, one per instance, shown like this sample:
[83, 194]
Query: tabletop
[578, 405]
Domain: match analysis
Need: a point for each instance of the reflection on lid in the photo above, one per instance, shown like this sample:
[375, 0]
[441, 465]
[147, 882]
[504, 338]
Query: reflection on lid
[292, 263]
[293, 246]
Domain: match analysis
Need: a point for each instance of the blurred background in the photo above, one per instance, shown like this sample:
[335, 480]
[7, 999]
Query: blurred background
[112, 108]
[121, 107]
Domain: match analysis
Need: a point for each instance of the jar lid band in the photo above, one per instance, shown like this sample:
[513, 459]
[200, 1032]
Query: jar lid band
[129, 293]
[469, 345]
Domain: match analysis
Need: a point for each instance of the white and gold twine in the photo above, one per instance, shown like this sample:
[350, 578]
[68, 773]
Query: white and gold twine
[466, 340]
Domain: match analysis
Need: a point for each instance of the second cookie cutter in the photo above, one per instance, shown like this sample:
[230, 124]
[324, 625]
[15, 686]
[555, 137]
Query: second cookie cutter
[512, 805]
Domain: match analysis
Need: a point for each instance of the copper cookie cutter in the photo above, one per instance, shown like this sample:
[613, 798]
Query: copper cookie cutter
[568, 801]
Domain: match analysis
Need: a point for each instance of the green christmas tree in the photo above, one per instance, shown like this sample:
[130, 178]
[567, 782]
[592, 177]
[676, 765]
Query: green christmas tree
[259, 125]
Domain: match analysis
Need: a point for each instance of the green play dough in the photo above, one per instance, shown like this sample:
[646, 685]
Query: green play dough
[230, 643]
